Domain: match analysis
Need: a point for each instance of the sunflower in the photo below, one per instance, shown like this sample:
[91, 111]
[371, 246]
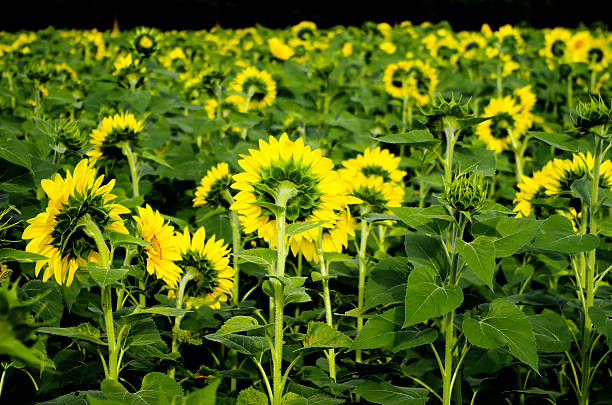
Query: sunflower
[556, 46]
[531, 188]
[160, 256]
[598, 54]
[444, 50]
[509, 121]
[471, 44]
[58, 234]
[376, 162]
[321, 194]
[258, 83]
[416, 79]
[578, 45]
[388, 47]
[213, 186]
[304, 30]
[565, 171]
[112, 133]
[279, 49]
[510, 39]
[210, 259]
[373, 191]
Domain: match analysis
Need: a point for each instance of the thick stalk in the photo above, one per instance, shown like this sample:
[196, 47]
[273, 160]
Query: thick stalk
[236, 247]
[450, 148]
[92, 230]
[362, 275]
[219, 113]
[331, 354]
[37, 99]
[127, 151]
[570, 93]
[286, 191]
[189, 275]
[250, 94]
[2, 381]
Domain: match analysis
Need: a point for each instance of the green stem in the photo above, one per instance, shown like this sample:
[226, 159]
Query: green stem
[570, 93]
[37, 99]
[131, 157]
[286, 191]
[499, 77]
[92, 230]
[331, 355]
[250, 94]
[362, 275]
[448, 159]
[189, 275]
[236, 247]
[2, 381]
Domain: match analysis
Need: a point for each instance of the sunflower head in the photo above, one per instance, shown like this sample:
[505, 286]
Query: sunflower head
[129, 71]
[209, 259]
[592, 116]
[304, 30]
[445, 115]
[69, 134]
[39, 71]
[214, 187]
[160, 256]
[414, 79]
[318, 193]
[257, 88]
[58, 232]
[112, 133]
[509, 123]
[145, 41]
[279, 49]
[466, 193]
[372, 192]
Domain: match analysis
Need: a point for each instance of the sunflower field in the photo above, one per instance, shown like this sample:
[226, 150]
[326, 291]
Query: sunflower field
[396, 215]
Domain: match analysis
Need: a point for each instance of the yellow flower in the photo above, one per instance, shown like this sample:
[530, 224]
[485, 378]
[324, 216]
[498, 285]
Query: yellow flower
[598, 54]
[125, 62]
[375, 193]
[258, 83]
[508, 125]
[56, 233]
[347, 49]
[529, 189]
[565, 171]
[415, 79]
[556, 46]
[510, 39]
[160, 255]
[321, 195]
[375, 162]
[279, 49]
[388, 47]
[444, 50]
[213, 186]
[471, 44]
[112, 133]
[210, 260]
[304, 29]
[578, 46]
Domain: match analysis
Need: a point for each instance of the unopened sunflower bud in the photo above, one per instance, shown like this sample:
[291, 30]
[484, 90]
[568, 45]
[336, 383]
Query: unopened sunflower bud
[444, 115]
[39, 71]
[466, 193]
[69, 134]
[593, 117]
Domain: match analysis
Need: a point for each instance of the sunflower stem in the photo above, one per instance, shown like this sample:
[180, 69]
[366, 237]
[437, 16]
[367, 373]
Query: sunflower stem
[236, 246]
[331, 354]
[2, 381]
[450, 149]
[250, 94]
[286, 191]
[131, 157]
[189, 275]
[362, 275]
[92, 230]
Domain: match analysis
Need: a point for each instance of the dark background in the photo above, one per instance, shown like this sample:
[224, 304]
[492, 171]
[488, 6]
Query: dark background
[202, 14]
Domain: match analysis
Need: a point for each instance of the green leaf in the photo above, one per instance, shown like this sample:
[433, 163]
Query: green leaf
[416, 137]
[504, 325]
[510, 234]
[331, 257]
[551, 332]
[559, 141]
[479, 254]
[83, 331]
[118, 239]
[322, 335]
[557, 234]
[14, 255]
[432, 219]
[385, 331]
[475, 160]
[249, 345]
[299, 227]
[105, 277]
[156, 389]
[9, 346]
[425, 299]
[143, 333]
[386, 283]
[262, 256]
[14, 151]
[386, 394]
[423, 250]
[204, 396]
[240, 323]
[601, 316]
[275, 209]
[251, 396]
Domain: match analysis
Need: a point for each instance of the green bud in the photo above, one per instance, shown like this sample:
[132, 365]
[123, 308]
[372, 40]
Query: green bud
[445, 115]
[39, 71]
[466, 193]
[592, 117]
[69, 134]
[212, 77]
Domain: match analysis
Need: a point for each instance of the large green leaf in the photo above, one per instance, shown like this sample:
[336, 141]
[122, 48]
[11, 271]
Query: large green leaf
[385, 331]
[551, 332]
[510, 234]
[386, 283]
[504, 325]
[479, 254]
[417, 137]
[423, 250]
[9, 255]
[322, 335]
[83, 331]
[560, 141]
[557, 234]
[249, 345]
[601, 316]
[156, 389]
[106, 277]
[386, 394]
[429, 220]
[426, 299]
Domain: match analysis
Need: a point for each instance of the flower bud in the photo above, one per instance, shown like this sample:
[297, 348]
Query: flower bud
[444, 115]
[592, 117]
[466, 193]
[69, 134]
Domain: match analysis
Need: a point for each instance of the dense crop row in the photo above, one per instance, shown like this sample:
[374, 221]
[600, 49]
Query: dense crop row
[389, 215]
